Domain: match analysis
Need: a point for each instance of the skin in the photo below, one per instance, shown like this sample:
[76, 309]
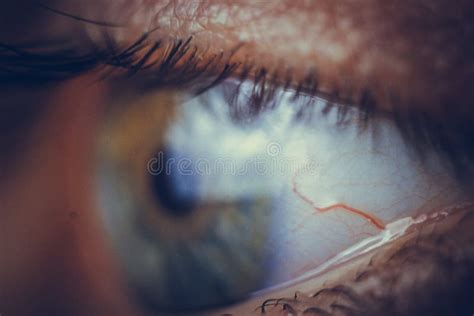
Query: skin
[55, 256]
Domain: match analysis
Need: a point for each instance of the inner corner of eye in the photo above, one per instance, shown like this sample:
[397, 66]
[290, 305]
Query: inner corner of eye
[205, 209]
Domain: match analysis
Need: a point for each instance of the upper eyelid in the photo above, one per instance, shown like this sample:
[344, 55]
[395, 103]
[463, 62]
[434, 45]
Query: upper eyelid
[179, 63]
[417, 125]
[307, 81]
[186, 63]
[189, 60]
[159, 14]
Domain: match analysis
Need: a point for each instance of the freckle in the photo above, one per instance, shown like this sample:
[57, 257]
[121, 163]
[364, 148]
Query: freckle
[73, 215]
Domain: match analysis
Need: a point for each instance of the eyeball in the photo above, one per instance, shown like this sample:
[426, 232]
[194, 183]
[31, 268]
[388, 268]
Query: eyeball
[207, 201]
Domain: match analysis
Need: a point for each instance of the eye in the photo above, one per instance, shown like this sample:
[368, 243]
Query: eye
[212, 198]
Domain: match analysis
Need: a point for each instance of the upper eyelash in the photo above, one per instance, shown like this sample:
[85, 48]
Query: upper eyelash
[220, 67]
[417, 128]
[21, 63]
[24, 65]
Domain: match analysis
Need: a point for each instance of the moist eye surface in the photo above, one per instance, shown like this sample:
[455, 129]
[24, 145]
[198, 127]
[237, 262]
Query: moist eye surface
[208, 201]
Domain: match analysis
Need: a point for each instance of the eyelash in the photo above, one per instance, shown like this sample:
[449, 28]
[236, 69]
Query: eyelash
[178, 63]
[20, 64]
[219, 68]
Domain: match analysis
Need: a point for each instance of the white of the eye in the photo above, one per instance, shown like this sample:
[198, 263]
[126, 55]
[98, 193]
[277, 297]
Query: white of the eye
[326, 163]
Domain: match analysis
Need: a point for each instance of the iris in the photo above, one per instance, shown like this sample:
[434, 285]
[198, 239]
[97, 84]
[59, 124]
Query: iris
[174, 190]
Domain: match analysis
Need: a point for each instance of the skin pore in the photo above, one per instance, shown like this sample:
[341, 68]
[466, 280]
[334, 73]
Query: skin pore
[412, 57]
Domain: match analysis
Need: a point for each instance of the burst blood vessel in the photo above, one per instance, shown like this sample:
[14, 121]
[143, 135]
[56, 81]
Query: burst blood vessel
[376, 222]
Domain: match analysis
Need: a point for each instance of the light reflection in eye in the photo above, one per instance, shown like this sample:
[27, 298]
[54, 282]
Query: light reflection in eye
[249, 184]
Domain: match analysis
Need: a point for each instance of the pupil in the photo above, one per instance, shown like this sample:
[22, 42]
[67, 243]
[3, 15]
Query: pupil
[174, 189]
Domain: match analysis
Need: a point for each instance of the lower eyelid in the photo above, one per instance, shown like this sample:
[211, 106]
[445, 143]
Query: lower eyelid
[379, 272]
